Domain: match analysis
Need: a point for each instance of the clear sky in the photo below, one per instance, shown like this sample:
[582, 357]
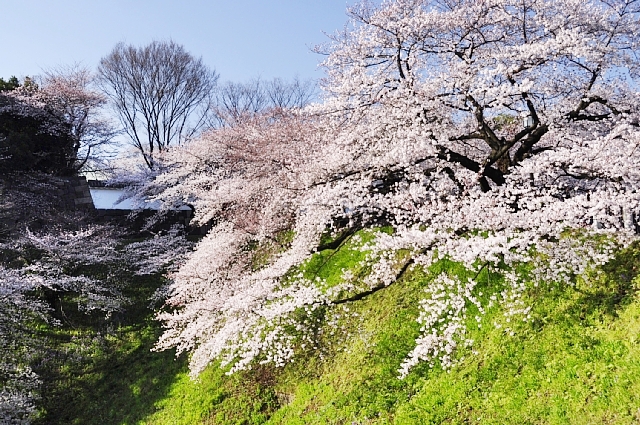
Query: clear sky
[240, 39]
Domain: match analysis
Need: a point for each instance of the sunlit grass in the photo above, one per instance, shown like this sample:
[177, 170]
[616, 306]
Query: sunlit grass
[577, 361]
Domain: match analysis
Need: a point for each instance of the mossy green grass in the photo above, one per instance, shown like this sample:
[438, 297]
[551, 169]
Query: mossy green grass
[576, 361]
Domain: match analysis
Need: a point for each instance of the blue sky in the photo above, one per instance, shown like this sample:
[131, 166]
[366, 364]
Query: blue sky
[240, 39]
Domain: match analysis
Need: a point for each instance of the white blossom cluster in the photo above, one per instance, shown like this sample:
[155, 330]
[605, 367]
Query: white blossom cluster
[442, 319]
[17, 396]
[18, 383]
[161, 252]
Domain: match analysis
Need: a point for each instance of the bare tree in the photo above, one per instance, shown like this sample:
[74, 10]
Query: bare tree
[237, 101]
[161, 93]
[288, 95]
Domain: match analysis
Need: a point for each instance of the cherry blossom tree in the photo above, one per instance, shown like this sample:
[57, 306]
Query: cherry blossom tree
[454, 70]
[36, 266]
[31, 138]
[419, 130]
[71, 94]
[54, 123]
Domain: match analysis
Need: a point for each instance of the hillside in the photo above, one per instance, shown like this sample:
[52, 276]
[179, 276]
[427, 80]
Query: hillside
[577, 360]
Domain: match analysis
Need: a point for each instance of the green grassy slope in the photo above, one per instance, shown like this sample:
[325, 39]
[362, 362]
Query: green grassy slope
[576, 362]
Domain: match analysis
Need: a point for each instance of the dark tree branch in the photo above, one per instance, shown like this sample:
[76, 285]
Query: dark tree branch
[362, 295]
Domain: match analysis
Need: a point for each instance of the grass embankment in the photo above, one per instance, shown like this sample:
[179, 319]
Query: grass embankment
[577, 361]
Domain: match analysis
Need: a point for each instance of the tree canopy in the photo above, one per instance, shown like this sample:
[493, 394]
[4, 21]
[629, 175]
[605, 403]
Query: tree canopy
[10, 84]
[54, 126]
[422, 130]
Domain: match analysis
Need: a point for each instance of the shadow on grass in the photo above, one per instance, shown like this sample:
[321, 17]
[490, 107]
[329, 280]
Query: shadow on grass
[613, 289]
[93, 375]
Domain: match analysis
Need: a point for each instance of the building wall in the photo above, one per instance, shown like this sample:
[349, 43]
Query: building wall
[74, 194]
